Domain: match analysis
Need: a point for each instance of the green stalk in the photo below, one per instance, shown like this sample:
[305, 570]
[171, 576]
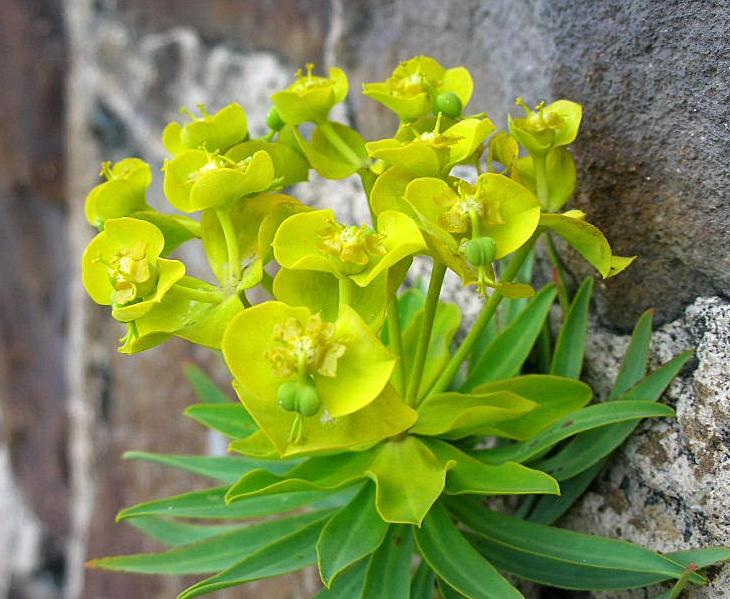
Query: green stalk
[682, 582]
[368, 180]
[429, 313]
[486, 315]
[396, 341]
[208, 296]
[229, 232]
[347, 152]
[560, 269]
[541, 181]
[345, 294]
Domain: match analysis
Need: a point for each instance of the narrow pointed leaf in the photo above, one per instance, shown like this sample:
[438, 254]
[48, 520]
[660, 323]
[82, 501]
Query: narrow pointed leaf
[591, 446]
[230, 419]
[701, 557]
[348, 585]
[224, 468]
[204, 387]
[212, 554]
[557, 397]
[570, 346]
[550, 507]
[174, 533]
[424, 582]
[211, 504]
[562, 558]
[389, 571]
[329, 472]
[286, 554]
[454, 559]
[352, 533]
[633, 365]
[594, 416]
[468, 475]
[505, 355]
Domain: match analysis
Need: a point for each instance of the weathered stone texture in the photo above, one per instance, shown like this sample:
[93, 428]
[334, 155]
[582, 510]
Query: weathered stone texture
[667, 487]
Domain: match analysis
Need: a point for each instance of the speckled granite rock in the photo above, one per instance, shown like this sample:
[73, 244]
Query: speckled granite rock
[667, 487]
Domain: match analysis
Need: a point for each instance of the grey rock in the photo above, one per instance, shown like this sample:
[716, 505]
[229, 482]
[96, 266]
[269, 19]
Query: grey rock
[667, 487]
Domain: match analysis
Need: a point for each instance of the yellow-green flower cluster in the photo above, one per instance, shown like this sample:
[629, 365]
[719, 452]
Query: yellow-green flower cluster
[310, 362]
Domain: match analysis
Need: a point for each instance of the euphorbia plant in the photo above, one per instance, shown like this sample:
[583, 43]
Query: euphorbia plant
[362, 425]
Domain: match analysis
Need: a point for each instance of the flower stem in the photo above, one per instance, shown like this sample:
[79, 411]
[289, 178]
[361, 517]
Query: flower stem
[333, 137]
[345, 288]
[541, 180]
[396, 341]
[429, 313]
[229, 232]
[486, 315]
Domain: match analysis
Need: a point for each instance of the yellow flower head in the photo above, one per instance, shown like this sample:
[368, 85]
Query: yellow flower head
[352, 243]
[305, 348]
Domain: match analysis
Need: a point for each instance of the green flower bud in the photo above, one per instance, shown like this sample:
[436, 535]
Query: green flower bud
[308, 402]
[481, 251]
[287, 395]
[449, 104]
[274, 120]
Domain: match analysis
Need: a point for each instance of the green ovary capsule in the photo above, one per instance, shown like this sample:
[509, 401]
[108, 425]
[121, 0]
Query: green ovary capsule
[449, 104]
[308, 402]
[481, 251]
[274, 120]
[287, 395]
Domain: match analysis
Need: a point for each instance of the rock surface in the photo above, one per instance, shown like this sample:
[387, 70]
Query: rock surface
[667, 487]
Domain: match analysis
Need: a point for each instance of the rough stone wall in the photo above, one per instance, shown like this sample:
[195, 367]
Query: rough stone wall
[653, 77]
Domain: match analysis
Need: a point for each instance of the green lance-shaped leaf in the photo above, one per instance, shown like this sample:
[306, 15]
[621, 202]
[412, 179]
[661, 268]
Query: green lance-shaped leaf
[556, 397]
[211, 504]
[594, 416]
[424, 582]
[570, 347]
[205, 388]
[454, 560]
[635, 360]
[286, 554]
[327, 473]
[562, 558]
[223, 468]
[591, 446]
[588, 240]
[467, 475]
[175, 533]
[505, 355]
[352, 533]
[230, 419]
[454, 415]
[349, 584]
[215, 553]
[549, 508]
[389, 571]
